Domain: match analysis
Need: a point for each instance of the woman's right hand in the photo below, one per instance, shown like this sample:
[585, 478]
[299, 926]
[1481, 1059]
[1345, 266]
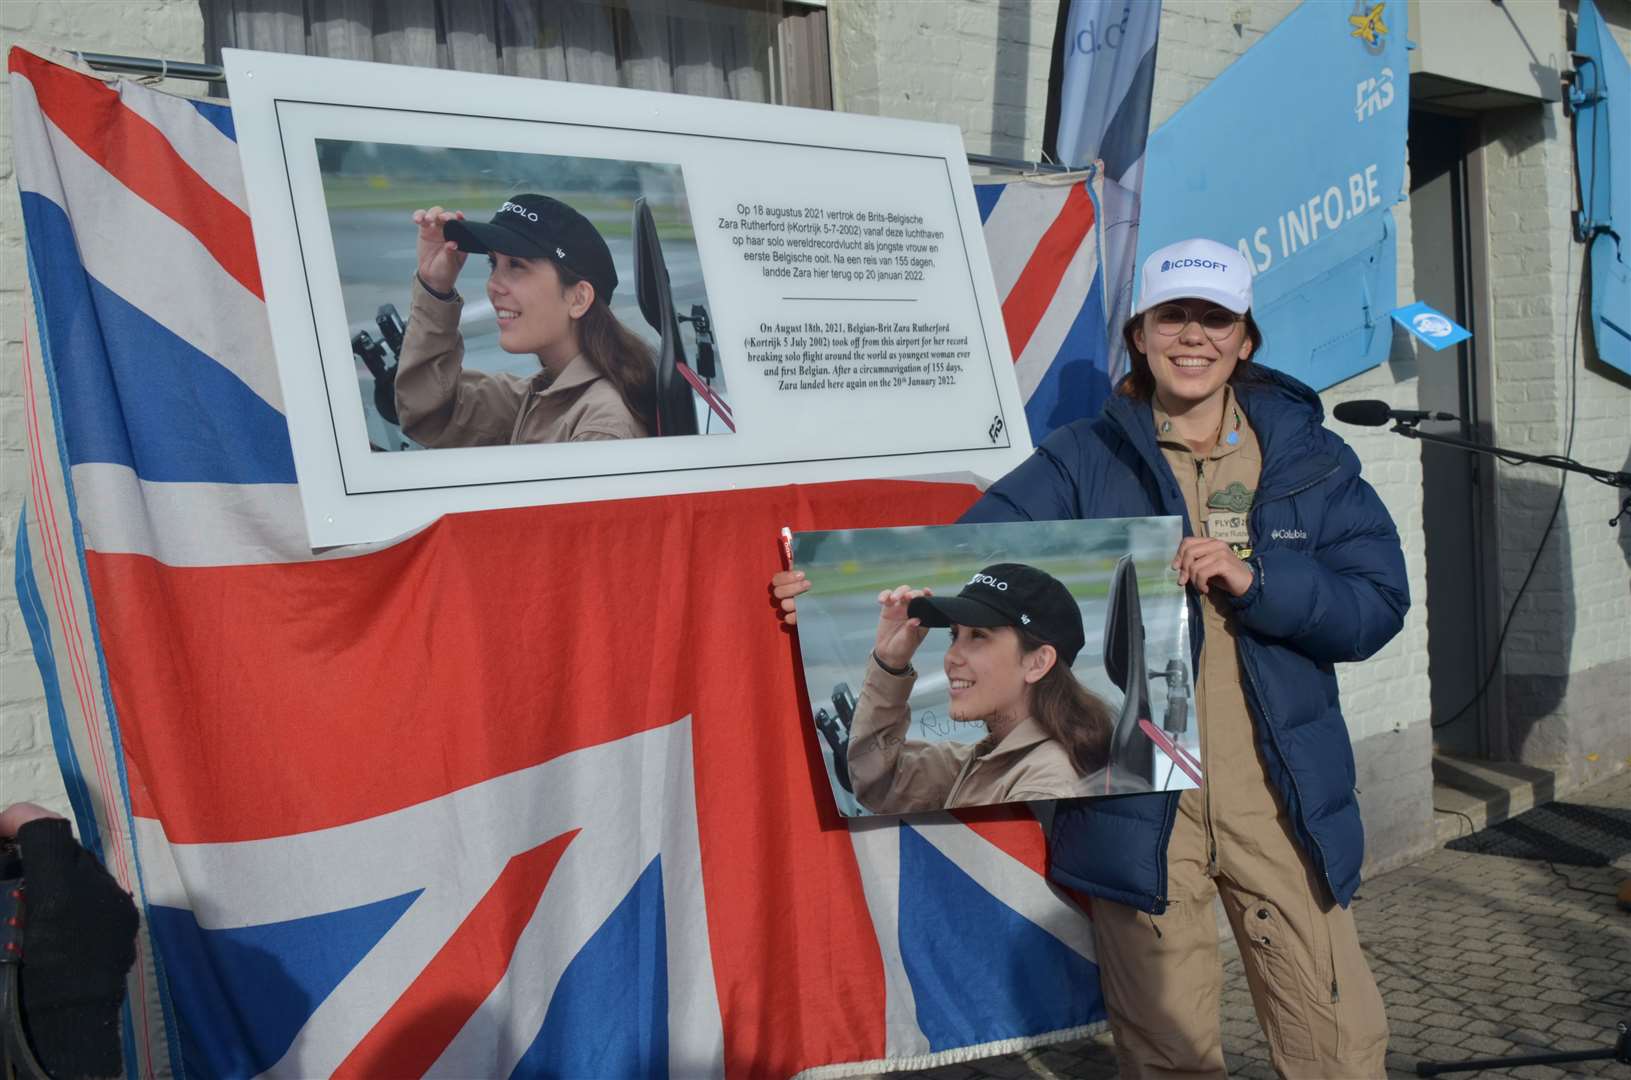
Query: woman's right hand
[17, 815]
[440, 259]
[898, 634]
[785, 586]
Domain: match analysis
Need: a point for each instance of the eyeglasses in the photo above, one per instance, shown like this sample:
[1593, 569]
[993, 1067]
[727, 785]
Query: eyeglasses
[1218, 322]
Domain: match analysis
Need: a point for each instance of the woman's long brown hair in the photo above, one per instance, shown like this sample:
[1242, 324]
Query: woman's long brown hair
[613, 350]
[1071, 714]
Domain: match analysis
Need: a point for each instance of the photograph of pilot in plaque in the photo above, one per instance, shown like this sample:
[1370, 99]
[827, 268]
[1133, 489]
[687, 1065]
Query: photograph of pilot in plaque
[969, 665]
[547, 299]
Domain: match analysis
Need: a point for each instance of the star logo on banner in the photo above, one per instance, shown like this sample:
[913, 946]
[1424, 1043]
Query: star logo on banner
[1369, 26]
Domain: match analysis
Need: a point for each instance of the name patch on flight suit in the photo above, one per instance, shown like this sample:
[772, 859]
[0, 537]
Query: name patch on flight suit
[1226, 518]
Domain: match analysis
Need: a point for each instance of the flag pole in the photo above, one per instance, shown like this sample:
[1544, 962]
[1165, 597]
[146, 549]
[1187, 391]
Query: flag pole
[186, 69]
[145, 65]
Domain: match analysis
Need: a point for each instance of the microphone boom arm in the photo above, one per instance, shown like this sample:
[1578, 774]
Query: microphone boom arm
[1621, 480]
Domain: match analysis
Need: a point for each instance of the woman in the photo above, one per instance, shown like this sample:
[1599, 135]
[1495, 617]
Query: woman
[1293, 565]
[550, 280]
[1014, 632]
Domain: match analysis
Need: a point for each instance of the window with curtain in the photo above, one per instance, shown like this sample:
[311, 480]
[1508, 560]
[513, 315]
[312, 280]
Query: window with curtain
[749, 50]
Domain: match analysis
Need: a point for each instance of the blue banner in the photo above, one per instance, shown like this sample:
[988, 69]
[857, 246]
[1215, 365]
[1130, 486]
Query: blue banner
[1104, 93]
[1293, 155]
[1601, 99]
[1107, 74]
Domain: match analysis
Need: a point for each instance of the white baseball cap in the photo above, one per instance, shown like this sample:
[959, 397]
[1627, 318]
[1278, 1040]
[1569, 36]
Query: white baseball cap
[1198, 269]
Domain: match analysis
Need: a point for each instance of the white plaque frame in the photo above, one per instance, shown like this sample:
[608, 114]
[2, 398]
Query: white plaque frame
[731, 154]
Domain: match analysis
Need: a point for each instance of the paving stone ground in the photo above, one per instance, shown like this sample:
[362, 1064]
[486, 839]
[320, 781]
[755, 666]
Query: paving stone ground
[1477, 956]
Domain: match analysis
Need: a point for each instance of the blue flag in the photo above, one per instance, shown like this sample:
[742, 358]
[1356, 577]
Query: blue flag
[1107, 73]
[1104, 93]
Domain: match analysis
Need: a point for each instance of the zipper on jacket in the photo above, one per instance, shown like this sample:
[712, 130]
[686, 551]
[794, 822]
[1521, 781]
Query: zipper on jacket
[1245, 646]
[1206, 789]
[1302, 806]
[1168, 819]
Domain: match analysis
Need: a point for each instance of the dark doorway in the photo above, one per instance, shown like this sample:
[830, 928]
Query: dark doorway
[1447, 222]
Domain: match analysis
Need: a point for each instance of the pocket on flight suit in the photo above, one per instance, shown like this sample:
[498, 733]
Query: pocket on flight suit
[1273, 953]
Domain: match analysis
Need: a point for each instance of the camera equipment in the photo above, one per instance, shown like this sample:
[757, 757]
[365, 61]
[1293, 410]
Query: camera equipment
[372, 354]
[1176, 720]
[836, 729]
[1176, 675]
[391, 327]
[368, 349]
[16, 1056]
[704, 330]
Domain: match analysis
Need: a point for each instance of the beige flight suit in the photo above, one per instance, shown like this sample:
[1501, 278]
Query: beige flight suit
[1315, 997]
[895, 775]
[441, 404]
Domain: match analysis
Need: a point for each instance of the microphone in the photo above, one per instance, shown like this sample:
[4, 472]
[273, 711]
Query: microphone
[1377, 413]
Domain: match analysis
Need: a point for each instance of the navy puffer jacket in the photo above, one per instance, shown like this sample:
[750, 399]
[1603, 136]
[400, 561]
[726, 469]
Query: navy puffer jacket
[1328, 586]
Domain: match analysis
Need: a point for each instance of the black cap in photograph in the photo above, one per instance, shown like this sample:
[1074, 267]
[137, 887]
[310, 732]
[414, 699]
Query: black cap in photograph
[1011, 594]
[539, 227]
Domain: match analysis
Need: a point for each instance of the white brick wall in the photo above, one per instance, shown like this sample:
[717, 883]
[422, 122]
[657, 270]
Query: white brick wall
[1576, 613]
[1199, 38]
[979, 64]
[172, 29]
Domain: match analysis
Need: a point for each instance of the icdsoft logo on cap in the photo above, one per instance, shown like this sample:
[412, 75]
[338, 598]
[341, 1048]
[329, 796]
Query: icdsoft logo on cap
[1198, 264]
[1196, 269]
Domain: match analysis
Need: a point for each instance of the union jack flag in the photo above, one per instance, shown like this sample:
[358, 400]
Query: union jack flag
[1061, 256]
[527, 793]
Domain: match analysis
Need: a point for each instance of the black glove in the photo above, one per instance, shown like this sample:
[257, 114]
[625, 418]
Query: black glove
[79, 941]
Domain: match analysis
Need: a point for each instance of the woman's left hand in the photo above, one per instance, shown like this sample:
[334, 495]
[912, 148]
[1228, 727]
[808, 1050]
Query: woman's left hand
[1203, 563]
